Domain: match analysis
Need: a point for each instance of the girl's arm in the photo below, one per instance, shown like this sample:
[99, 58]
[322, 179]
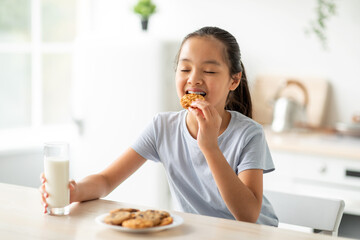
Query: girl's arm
[101, 184]
[242, 194]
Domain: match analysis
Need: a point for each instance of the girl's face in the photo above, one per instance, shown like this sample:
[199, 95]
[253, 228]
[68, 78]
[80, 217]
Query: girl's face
[202, 68]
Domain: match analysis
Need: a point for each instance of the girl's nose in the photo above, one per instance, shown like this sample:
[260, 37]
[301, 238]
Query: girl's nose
[195, 78]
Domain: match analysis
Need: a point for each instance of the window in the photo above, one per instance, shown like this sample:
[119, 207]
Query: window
[36, 47]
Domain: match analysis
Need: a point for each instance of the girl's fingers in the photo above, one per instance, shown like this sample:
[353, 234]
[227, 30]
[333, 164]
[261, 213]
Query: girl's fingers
[43, 192]
[44, 196]
[42, 178]
[204, 108]
[72, 185]
[43, 189]
[45, 208]
[43, 199]
[73, 189]
[198, 113]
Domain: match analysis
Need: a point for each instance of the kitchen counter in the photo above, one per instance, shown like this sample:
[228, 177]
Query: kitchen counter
[22, 218]
[314, 142]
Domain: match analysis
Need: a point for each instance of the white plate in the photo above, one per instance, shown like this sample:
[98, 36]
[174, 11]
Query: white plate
[177, 221]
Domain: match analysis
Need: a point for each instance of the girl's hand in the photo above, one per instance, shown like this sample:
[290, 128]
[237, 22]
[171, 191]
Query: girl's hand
[73, 190]
[209, 122]
[44, 194]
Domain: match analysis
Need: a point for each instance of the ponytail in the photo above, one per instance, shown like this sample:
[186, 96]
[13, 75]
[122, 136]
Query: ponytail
[240, 100]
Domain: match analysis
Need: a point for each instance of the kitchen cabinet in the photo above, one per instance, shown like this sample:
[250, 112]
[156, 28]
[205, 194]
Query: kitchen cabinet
[317, 175]
[318, 164]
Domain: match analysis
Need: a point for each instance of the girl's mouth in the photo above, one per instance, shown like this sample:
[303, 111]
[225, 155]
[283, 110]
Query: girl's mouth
[199, 93]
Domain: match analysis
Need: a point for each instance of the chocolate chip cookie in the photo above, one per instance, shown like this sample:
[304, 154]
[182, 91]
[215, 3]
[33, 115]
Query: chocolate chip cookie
[117, 218]
[187, 99]
[138, 223]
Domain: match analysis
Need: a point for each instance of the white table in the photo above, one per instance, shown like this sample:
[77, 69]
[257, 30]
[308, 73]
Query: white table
[21, 217]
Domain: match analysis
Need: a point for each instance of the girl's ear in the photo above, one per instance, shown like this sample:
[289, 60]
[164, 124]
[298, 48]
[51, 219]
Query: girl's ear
[235, 81]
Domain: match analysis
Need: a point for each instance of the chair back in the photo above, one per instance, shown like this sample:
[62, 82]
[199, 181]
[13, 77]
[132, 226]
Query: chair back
[307, 211]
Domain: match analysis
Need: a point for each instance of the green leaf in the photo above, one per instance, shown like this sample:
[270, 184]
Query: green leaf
[145, 8]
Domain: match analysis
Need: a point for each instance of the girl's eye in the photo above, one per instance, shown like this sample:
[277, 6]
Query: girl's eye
[185, 70]
[209, 72]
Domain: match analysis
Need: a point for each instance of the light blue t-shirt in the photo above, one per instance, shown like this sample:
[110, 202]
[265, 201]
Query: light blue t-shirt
[167, 140]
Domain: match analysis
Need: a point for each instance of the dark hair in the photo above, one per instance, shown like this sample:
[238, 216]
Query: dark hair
[239, 99]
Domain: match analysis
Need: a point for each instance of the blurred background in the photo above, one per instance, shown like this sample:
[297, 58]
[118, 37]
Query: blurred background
[85, 72]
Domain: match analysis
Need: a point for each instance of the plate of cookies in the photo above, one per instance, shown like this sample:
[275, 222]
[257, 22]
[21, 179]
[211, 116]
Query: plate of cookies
[134, 220]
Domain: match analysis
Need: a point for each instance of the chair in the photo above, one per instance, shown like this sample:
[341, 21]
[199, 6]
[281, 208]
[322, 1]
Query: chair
[321, 214]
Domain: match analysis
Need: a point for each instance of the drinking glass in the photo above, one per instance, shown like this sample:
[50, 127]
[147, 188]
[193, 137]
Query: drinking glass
[56, 168]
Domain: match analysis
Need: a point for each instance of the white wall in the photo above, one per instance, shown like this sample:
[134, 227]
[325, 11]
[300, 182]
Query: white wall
[271, 34]
[119, 85]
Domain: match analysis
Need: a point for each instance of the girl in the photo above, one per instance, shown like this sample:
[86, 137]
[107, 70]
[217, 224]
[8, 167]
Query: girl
[214, 153]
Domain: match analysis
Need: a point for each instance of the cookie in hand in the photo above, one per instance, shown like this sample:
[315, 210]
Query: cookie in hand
[187, 99]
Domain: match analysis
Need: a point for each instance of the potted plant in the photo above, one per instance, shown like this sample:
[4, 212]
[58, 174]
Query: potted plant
[145, 8]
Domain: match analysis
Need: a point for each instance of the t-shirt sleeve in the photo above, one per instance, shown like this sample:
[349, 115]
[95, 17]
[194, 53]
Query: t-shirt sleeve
[145, 144]
[256, 153]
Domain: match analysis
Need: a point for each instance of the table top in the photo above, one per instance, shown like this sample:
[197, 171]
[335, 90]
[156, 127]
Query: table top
[21, 217]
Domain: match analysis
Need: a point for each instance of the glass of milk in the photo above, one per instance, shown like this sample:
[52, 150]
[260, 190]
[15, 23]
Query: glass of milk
[56, 168]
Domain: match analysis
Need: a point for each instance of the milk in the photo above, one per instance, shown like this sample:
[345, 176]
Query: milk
[57, 181]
